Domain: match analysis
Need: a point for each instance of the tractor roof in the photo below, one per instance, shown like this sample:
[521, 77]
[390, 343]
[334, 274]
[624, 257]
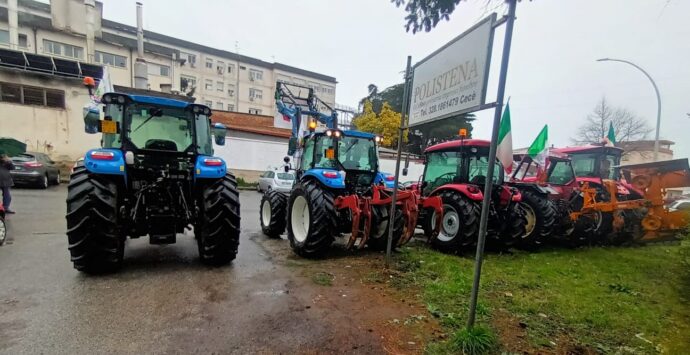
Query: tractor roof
[158, 101]
[353, 133]
[453, 145]
[590, 148]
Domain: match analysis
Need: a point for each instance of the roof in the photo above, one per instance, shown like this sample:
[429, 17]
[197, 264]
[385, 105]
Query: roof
[590, 148]
[359, 134]
[453, 145]
[244, 122]
[162, 101]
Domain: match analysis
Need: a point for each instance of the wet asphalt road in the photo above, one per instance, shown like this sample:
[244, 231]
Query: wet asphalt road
[162, 301]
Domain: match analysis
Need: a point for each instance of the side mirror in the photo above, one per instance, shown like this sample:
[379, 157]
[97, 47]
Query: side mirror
[92, 120]
[404, 172]
[219, 132]
[407, 164]
[286, 168]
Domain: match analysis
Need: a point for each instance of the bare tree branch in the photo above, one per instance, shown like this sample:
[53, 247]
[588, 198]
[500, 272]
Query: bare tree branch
[626, 125]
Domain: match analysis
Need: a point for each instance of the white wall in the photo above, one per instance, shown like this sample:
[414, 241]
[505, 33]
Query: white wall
[252, 152]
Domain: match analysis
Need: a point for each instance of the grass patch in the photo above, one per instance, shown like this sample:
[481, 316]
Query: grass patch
[322, 278]
[243, 183]
[605, 299]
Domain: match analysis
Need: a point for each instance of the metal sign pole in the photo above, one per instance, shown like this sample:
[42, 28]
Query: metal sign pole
[492, 158]
[391, 213]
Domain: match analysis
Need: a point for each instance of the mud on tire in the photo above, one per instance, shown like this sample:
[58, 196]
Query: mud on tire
[378, 238]
[218, 227]
[96, 244]
[273, 213]
[311, 219]
[460, 223]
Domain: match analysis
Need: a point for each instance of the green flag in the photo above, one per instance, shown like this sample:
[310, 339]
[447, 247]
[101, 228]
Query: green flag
[612, 134]
[539, 150]
[504, 153]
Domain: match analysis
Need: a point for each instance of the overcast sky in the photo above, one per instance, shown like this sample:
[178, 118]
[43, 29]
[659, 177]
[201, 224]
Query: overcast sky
[553, 77]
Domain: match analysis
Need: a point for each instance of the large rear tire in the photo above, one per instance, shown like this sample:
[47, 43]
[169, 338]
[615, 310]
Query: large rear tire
[378, 238]
[311, 222]
[96, 243]
[273, 213]
[460, 223]
[218, 228]
[540, 214]
[514, 228]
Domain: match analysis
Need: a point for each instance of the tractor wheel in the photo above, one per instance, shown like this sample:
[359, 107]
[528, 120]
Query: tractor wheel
[540, 216]
[311, 222]
[3, 231]
[460, 223]
[96, 243]
[378, 239]
[218, 228]
[514, 228]
[273, 213]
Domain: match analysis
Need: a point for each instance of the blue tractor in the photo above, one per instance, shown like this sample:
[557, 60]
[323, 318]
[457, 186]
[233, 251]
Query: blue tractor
[339, 190]
[155, 174]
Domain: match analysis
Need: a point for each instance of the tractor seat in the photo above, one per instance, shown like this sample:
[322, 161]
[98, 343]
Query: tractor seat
[160, 144]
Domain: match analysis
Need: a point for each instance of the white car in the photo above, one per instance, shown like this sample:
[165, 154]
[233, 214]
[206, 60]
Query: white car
[679, 205]
[275, 180]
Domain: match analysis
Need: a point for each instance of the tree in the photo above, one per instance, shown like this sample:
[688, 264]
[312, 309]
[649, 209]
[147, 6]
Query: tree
[385, 125]
[426, 14]
[439, 131]
[393, 95]
[626, 125]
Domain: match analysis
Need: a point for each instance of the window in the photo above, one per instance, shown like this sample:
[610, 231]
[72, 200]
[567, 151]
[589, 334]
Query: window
[66, 50]
[231, 68]
[220, 86]
[231, 107]
[4, 36]
[23, 40]
[157, 69]
[561, 172]
[219, 105]
[242, 67]
[208, 103]
[189, 58]
[187, 82]
[111, 59]
[231, 90]
[220, 68]
[209, 84]
[209, 63]
[29, 95]
[308, 155]
[171, 131]
[255, 94]
[254, 111]
[256, 75]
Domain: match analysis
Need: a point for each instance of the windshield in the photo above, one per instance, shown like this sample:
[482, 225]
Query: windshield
[561, 173]
[357, 153]
[286, 176]
[159, 128]
[447, 167]
[595, 165]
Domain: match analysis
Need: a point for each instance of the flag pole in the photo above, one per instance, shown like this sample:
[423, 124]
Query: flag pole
[512, 4]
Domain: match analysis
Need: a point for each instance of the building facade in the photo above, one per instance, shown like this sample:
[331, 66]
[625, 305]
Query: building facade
[223, 80]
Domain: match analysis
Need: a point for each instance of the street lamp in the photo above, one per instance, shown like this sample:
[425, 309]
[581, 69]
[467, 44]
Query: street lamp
[658, 100]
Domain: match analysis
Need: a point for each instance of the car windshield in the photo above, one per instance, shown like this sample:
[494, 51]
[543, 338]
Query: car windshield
[357, 153]
[286, 176]
[160, 128]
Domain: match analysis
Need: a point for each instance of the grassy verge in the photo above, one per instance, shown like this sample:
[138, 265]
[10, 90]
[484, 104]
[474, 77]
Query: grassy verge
[626, 300]
[244, 184]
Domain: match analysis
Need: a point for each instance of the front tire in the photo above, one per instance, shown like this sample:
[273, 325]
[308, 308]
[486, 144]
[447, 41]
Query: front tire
[96, 244]
[273, 214]
[311, 222]
[540, 214]
[44, 182]
[218, 229]
[460, 223]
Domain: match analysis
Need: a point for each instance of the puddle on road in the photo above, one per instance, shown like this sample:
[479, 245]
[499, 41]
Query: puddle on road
[272, 292]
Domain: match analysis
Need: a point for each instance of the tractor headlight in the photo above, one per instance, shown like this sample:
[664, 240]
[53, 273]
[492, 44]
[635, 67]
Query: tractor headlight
[329, 133]
[107, 99]
[196, 109]
[121, 100]
[377, 139]
[337, 134]
[207, 111]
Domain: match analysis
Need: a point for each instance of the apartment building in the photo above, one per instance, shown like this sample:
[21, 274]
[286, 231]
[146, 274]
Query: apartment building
[223, 80]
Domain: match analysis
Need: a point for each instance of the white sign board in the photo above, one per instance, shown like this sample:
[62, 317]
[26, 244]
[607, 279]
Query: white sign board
[452, 80]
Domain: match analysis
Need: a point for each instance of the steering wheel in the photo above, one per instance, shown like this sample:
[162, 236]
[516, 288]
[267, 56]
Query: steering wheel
[442, 179]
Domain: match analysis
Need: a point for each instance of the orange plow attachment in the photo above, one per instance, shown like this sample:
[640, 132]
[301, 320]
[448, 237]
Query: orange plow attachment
[654, 180]
[409, 202]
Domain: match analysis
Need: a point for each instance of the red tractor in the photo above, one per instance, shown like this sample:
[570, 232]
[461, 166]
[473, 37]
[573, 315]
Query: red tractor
[456, 171]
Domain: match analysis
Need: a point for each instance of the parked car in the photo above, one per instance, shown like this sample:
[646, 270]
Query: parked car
[34, 169]
[78, 163]
[679, 205]
[275, 180]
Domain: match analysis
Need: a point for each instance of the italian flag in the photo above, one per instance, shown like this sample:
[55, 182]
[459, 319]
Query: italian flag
[539, 150]
[611, 136]
[504, 153]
